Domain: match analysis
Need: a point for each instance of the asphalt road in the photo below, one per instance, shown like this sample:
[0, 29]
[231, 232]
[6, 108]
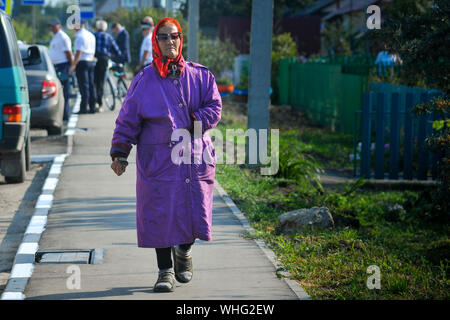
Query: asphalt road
[17, 201]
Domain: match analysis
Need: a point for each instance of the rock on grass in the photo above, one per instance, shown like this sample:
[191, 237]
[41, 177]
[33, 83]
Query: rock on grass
[312, 218]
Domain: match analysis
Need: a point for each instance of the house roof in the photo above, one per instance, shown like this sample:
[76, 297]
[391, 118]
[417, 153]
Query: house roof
[319, 5]
[356, 6]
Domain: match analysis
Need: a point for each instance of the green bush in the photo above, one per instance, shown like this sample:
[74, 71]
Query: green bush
[296, 165]
[217, 55]
[243, 84]
[23, 31]
[283, 46]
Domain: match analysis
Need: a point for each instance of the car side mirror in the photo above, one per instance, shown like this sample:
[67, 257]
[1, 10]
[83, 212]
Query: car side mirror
[33, 56]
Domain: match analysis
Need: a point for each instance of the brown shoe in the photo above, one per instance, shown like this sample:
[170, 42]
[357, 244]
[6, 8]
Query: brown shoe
[184, 268]
[165, 282]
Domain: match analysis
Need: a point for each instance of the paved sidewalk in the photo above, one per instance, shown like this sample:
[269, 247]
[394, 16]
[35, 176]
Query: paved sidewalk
[93, 208]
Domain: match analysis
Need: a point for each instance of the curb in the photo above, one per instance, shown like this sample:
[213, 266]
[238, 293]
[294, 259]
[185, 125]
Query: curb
[24, 260]
[285, 276]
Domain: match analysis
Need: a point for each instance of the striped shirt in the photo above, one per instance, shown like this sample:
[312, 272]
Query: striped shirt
[105, 45]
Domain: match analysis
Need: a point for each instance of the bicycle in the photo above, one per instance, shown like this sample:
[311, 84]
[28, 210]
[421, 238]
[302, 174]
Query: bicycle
[112, 92]
[121, 86]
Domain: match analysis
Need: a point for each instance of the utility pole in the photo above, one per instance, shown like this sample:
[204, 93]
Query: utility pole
[260, 67]
[34, 24]
[169, 8]
[193, 18]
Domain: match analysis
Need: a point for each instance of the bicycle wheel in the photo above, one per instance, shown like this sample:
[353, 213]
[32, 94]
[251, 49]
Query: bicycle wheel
[121, 88]
[109, 97]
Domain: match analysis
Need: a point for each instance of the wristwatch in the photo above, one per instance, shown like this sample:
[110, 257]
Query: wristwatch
[121, 159]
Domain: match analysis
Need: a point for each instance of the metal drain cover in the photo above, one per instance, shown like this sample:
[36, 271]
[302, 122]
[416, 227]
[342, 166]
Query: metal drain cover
[90, 256]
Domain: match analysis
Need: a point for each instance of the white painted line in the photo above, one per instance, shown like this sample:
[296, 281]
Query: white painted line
[292, 284]
[71, 125]
[50, 184]
[35, 230]
[76, 107]
[60, 159]
[13, 296]
[70, 132]
[72, 121]
[55, 169]
[38, 222]
[43, 157]
[22, 270]
[28, 248]
[44, 201]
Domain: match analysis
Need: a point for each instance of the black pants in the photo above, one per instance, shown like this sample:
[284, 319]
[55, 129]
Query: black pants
[99, 76]
[164, 255]
[63, 68]
[85, 78]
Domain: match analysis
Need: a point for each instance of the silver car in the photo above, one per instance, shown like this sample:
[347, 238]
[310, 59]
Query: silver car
[45, 92]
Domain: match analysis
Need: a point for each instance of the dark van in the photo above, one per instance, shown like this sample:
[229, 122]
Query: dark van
[14, 104]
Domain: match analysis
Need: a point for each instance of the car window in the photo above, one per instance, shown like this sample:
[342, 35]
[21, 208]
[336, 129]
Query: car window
[5, 60]
[40, 66]
[12, 43]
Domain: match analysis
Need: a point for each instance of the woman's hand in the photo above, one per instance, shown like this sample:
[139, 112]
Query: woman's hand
[118, 167]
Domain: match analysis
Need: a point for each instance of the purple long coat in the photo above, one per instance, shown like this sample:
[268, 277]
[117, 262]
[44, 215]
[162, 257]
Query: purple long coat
[174, 201]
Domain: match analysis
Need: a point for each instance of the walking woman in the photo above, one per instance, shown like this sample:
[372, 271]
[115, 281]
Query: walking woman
[174, 200]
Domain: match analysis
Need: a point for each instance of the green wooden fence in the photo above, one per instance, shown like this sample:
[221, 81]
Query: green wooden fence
[323, 91]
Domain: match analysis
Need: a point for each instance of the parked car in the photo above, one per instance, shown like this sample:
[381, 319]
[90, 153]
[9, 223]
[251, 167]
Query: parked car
[14, 104]
[45, 92]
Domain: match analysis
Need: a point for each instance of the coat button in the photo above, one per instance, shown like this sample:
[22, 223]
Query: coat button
[187, 180]
[180, 105]
[175, 81]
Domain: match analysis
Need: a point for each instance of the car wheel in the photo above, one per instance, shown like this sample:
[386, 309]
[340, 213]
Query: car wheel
[54, 131]
[17, 167]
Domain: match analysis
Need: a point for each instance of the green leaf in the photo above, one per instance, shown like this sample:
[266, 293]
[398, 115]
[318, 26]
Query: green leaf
[438, 124]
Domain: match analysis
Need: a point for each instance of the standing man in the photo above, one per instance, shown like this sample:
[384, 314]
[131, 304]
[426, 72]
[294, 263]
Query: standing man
[105, 48]
[84, 48]
[61, 55]
[145, 54]
[123, 41]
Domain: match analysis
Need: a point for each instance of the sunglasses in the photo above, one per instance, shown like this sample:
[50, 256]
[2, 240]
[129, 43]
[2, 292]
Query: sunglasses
[165, 36]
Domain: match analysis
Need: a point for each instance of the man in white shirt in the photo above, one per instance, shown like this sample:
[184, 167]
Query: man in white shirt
[145, 54]
[61, 55]
[84, 48]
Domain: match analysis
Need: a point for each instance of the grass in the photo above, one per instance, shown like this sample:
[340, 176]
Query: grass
[395, 230]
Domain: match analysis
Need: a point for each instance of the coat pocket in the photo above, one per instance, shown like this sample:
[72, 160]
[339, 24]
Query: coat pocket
[207, 168]
[156, 162]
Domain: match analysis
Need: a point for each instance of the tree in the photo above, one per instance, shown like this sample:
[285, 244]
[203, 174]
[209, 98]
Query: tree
[212, 10]
[418, 30]
[23, 31]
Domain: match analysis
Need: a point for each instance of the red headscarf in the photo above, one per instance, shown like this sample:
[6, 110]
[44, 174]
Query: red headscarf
[164, 65]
